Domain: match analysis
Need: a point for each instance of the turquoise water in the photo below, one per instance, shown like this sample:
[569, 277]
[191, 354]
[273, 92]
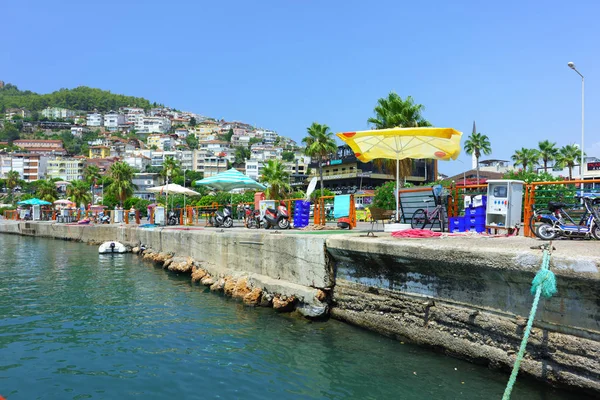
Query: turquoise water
[76, 325]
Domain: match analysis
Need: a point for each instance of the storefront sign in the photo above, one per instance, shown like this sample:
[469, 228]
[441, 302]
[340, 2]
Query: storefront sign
[593, 166]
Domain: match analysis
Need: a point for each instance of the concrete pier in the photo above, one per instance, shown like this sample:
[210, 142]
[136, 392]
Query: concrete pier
[466, 296]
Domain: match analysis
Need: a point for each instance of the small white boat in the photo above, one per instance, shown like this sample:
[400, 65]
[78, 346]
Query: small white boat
[112, 248]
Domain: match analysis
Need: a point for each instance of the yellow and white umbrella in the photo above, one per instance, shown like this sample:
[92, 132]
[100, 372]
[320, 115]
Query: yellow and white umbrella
[400, 143]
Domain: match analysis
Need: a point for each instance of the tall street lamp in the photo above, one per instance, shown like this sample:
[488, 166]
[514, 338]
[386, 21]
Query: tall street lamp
[572, 66]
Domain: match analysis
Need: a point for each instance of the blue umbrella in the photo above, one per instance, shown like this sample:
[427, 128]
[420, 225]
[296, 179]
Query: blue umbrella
[34, 202]
[229, 180]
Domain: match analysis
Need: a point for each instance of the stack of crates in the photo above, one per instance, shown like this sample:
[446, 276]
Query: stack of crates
[475, 214]
[301, 213]
[474, 218]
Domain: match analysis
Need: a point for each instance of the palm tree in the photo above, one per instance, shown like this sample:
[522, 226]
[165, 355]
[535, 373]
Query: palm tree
[79, 192]
[526, 157]
[547, 151]
[476, 144]
[122, 185]
[320, 144]
[91, 174]
[12, 179]
[567, 157]
[392, 112]
[170, 168]
[275, 175]
[46, 190]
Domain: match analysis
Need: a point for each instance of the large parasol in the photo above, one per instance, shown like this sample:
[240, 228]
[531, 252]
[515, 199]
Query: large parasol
[34, 202]
[229, 180]
[400, 143]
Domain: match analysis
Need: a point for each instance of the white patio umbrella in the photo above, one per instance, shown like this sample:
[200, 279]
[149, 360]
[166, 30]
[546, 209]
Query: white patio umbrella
[173, 188]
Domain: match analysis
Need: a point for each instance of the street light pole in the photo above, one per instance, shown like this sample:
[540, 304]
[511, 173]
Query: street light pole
[572, 66]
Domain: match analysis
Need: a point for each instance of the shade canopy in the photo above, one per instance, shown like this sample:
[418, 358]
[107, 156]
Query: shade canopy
[64, 202]
[34, 202]
[229, 180]
[400, 143]
[172, 188]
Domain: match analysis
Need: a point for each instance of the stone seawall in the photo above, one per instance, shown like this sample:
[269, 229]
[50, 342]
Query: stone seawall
[286, 265]
[473, 302]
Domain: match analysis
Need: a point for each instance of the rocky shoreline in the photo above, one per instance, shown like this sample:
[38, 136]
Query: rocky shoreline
[240, 287]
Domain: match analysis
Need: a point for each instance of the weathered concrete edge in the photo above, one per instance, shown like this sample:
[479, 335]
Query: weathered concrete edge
[287, 265]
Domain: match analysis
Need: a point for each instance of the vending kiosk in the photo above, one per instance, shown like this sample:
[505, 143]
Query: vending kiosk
[504, 204]
[159, 215]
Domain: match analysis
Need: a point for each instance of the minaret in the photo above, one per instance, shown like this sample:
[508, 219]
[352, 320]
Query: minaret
[473, 158]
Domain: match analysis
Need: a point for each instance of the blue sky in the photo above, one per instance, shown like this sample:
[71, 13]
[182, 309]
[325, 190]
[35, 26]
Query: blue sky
[284, 64]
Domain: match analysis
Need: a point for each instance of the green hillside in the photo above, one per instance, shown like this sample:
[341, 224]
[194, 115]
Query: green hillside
[81, 98]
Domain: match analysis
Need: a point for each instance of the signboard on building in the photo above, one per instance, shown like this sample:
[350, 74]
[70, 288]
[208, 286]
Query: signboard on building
[593, 166]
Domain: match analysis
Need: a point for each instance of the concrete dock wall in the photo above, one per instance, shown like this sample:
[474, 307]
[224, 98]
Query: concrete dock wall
[287, 265]
[473, 302]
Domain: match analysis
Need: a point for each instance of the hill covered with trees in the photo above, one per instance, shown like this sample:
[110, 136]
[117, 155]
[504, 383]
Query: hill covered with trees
[81, 98]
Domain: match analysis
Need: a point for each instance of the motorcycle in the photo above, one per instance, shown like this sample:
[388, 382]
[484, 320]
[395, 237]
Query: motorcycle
[252, 218]
[278, 217]
[553, 225]
[172, 218]
[104, 218]
[223, 218]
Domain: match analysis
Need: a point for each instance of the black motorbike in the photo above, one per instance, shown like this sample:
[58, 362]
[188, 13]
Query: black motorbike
[223, 218]
[172, 218]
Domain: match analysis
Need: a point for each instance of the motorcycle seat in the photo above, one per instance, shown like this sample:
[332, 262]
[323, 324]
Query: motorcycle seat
[271, 210]
[555, 205]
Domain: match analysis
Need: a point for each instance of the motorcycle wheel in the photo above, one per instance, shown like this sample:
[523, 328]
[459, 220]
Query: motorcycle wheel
[596, 231]
[283, 223]
[543, 232]
[228, 223]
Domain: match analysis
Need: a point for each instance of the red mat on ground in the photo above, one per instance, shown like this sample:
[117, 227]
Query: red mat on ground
[416, 233]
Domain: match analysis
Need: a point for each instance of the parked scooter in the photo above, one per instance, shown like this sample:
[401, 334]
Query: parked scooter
[172, 218]
[103, 218]
[279, 217]
[223, 218]
[251, 218]
[553, 225]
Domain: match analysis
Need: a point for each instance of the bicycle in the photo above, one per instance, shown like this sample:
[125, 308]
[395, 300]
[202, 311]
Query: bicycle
[422, 217]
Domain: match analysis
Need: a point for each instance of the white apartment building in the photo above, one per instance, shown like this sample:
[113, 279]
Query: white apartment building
[137, 160]
[78, 131]
[30, 167]
[145, 124]
[267, 135]
[5, 165]
[254, 169]
[10, 113]
[95, 119]
[112, 120]
[57, 112]
[66, 168]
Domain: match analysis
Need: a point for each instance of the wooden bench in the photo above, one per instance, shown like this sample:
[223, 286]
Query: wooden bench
[378, 214]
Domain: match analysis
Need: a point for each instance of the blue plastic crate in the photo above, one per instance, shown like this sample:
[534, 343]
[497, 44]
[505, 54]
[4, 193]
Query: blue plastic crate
[473, 220]
[475, 211]
[456, 224]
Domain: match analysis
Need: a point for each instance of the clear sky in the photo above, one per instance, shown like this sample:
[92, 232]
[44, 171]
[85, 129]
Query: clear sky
[283, 64]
